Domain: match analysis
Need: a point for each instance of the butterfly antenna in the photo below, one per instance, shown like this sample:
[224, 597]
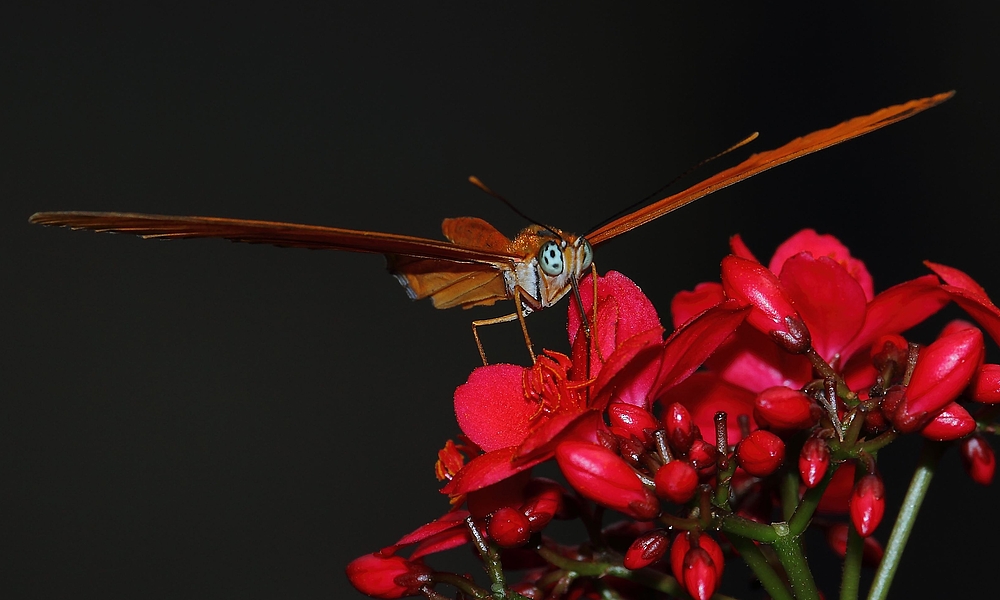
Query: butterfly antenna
[670, 183]
[479, 184]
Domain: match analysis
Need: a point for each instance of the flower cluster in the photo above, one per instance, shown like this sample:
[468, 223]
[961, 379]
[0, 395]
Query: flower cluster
[766, 406]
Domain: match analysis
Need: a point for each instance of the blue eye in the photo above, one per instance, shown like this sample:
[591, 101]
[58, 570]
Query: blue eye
[550, 259]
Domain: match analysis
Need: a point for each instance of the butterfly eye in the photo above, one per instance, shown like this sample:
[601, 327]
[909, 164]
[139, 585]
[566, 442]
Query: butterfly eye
[588, 255]
[550, 258]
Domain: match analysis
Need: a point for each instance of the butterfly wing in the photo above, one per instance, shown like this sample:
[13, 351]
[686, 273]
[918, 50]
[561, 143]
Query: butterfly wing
[464, 272]
[818, 140]
[289, 235]
[448, 283]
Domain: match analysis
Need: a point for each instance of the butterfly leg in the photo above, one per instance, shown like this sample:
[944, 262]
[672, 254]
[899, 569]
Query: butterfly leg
[518, 314]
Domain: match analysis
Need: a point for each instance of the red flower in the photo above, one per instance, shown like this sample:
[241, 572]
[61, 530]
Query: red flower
[519, 415]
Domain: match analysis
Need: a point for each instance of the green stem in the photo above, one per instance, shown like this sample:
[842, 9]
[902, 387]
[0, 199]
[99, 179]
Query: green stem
[789, 549]
[764, 533]
[773, 584]
[789, 493]
[851, 580]
[807, 506]
[929, 457]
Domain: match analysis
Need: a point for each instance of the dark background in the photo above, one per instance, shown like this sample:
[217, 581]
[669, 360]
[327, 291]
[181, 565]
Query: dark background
[210, 420]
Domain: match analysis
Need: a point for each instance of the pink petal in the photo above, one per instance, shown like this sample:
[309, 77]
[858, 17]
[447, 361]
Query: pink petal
[960, 279]
[687, 305]
[449, 521]
[629, 372]
[491, 407]
[688, 347]
[831, 302]
[737, 247]
[633, 312]
[487, 469]
[897, 309]
[752, 360]
[828, 246]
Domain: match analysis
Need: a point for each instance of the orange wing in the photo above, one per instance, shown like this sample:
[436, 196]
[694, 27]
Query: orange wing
[289, 235]
[450, 284]
[818, 140]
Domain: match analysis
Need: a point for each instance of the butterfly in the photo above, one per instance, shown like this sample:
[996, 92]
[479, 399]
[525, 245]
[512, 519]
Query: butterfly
[478, 265]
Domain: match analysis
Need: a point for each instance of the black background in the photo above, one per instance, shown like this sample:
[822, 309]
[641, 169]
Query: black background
[210, 420]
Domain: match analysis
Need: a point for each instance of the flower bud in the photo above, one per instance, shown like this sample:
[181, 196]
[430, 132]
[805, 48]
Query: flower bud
[760, 453]
[647, 549]
[509, 528]
[387, 576]
[814, 461]
[751, 283]
[978, 459]
[985, 384]
[676, 481]
[602, 476]
[867, 504]
[636, 420]
[545, 499]
[943, 370]
[871, 553]
[702, 455]
[951, 423]
[699, 576]
[681, 430]
[784, 409]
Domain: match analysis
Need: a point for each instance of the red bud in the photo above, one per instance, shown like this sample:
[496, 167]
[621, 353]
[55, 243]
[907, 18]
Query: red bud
[647, 549]
[676, 481]
[681, 430]
[814, 461]
[698, 576]
[509, 528]
[985, 384]
[785, 409]
[952, 423]
[867, 504]
[978, 458]
[387, 576]
[760, 453]
[634, 419]
[943, 370]
[751, 283]
[605, 478]
[545, 499]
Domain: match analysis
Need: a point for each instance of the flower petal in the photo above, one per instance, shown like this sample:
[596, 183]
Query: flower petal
[491, 407]
[831, 302]
[897, 309]
[688, 347]
[828, 246]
